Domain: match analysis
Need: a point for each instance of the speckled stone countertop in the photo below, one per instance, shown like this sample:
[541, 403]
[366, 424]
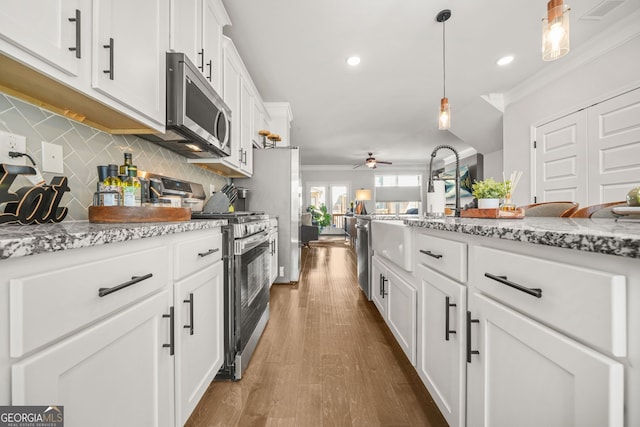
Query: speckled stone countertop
[23, 240]
[605, 236]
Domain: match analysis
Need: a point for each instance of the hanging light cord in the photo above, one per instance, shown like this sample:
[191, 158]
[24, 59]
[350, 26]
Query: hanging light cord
[444, 72]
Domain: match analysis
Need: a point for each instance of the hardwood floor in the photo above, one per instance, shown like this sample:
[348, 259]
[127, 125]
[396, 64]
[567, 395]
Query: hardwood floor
[326, 358]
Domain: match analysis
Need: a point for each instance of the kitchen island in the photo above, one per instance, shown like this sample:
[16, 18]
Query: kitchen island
[532, 321]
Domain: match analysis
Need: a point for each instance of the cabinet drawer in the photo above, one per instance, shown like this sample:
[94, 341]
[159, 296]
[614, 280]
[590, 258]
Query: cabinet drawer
[587, 304]
[197, 253]
[49, 305]
[443, 255]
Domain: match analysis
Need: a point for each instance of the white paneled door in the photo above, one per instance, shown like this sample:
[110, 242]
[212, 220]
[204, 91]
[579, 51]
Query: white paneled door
[561, 160]
[614, 147]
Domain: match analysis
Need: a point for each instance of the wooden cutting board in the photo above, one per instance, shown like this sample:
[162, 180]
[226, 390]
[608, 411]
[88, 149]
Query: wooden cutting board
[125, 214]
[492, 213]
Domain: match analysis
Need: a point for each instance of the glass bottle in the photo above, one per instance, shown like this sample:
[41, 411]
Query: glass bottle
[112, 184]
[132, 190]
[124, 168]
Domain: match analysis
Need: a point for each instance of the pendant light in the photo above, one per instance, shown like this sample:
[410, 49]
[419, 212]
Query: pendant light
[555, 31]
[444, 117]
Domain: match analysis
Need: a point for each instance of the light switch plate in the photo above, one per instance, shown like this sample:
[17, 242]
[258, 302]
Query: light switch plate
[212, 189]
[52, 158]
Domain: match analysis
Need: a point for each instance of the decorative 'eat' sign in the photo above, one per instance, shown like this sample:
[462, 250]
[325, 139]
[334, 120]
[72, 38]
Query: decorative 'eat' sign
[31, 205]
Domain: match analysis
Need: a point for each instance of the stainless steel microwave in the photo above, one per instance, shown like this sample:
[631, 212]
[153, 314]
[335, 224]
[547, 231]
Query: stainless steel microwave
[198, 120]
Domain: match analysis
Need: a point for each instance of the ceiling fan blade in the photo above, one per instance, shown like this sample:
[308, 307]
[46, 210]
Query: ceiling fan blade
[357, 166]
[386, 163]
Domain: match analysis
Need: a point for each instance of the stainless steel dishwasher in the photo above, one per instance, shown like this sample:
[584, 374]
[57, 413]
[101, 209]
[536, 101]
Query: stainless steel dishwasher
[363, 253]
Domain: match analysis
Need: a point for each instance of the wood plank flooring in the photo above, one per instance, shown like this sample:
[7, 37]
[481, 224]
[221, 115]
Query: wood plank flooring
[326, 358]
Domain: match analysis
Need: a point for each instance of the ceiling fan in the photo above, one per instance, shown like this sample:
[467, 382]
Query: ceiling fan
[371, 162]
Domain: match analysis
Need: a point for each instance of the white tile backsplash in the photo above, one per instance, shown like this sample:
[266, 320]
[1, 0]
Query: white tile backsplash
[85, 148]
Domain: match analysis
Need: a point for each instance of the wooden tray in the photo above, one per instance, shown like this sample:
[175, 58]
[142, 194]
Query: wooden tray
[123, 214]
[492, 213]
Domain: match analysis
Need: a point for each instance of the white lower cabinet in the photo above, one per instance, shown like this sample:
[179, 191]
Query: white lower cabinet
[397, 300]
[199, 336]
[526, 374]
[441, 342]
[115, 373]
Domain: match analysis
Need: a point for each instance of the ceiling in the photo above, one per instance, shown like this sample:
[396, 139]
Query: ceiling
[296, 51]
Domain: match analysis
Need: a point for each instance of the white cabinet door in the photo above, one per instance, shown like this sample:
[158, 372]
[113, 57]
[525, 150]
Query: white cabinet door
[129, 45]
[199, 327]
[186, 34]
[257, 122]
[231, 94]
[526, 374]
[614, 148]
[246, 108]
[379, 286]
[48, 29]
[274, 255]
[441, 343]
[402, 307]
[115, 373]
[212, 44]
[561, 160]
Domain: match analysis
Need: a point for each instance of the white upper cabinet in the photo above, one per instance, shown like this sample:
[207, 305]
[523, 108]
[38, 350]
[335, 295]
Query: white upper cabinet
[109, 51]
[231, 94]
[128, 55]
[197, 31]
[59, 27]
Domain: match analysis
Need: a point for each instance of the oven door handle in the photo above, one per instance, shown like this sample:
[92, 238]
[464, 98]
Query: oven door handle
[245, 245]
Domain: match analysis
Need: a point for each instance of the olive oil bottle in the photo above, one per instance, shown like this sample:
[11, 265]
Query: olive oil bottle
[132, 189]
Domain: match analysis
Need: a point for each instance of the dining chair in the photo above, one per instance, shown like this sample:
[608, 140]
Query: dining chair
[550, 209]
[603, 210]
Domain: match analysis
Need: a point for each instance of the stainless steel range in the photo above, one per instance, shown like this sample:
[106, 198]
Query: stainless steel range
[246, 293]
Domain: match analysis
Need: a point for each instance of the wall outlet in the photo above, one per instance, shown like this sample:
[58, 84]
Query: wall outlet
[281, 270]
[52, 158]
[212, 189]
[12, 142]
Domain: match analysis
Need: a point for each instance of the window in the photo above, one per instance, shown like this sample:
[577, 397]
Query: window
[335, 196]
[396, 194]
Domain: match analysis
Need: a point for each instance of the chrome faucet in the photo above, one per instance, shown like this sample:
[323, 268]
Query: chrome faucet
[430, 186]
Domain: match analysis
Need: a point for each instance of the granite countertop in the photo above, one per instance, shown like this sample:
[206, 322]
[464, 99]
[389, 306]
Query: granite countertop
[605, 236]
[22, 240]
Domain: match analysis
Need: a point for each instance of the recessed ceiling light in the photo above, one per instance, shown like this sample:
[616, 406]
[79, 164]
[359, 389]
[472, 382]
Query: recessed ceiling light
[505, 60]
[353, 60]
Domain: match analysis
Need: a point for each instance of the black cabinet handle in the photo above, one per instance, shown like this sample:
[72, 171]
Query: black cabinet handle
[201, 66]
[135, 279]
[431, 254]
[110, 47]
[244, 156]
[380, 284]
[209, 252]
[536, 292]
[171, 345]
[447, 306]
[210, 65]
[384, 290]
[190, 302]
[469, 322]
[76, 49]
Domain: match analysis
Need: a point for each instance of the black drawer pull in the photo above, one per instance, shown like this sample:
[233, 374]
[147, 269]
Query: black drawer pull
[135, 279]
[384, 288]
[209, 252]
[190, 302]
[210, 65]
[447, 306]
[201, 66]
[76, 48]
[171, 345]
[469, 322]
[536, 292]
[431, 254]
[110, 47]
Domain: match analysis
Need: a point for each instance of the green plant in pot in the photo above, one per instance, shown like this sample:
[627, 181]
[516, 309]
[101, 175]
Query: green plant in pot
[320, 216]
[489, 192]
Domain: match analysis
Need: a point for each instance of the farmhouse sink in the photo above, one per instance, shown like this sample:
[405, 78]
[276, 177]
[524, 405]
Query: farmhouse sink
[393, 240]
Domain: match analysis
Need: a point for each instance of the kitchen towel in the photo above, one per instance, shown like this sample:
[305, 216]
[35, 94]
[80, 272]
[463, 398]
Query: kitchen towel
[436, 199]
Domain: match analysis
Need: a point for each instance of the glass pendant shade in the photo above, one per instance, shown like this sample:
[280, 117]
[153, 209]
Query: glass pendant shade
[555, 31]
[444, 118]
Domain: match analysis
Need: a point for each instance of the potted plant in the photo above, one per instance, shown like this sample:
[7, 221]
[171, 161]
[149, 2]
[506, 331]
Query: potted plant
[320, 216]
[489, 192]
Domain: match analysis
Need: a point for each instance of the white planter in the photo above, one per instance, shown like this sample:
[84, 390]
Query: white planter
[488, 203]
